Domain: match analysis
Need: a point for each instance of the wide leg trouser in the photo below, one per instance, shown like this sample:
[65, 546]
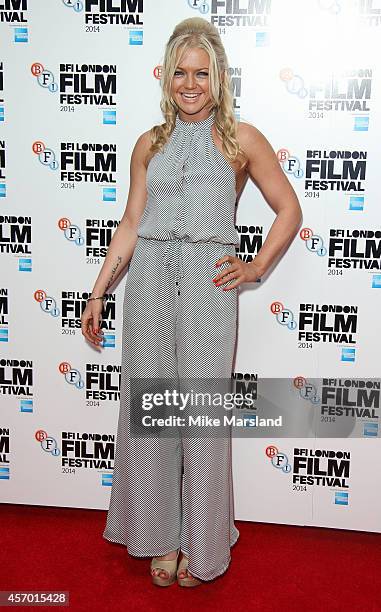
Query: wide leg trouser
[175, 492]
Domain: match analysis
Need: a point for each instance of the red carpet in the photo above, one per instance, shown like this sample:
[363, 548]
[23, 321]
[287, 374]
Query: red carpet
[273, 568]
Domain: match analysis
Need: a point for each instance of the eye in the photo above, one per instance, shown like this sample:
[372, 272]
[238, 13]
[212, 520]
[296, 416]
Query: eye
[202, 73]
[177, 72]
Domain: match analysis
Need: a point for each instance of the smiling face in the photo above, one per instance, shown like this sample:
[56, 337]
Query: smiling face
[190, 85]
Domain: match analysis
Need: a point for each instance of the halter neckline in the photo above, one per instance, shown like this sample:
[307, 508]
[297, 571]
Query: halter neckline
[192, 125]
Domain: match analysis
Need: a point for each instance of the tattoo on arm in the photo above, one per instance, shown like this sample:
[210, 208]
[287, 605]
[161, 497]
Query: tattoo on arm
[113, 270]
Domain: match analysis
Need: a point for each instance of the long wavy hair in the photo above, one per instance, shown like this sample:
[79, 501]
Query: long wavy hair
[190, 33]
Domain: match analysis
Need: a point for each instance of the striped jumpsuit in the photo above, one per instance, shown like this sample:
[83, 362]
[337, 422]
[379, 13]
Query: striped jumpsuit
[177, 492]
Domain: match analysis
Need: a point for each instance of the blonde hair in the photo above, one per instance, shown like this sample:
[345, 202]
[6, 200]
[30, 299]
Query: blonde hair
[190, 33]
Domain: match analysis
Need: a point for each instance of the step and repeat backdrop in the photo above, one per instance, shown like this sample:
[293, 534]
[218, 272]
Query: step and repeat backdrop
[79, 82]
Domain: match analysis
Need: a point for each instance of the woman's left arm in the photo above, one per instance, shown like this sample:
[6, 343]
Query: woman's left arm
[264, 169]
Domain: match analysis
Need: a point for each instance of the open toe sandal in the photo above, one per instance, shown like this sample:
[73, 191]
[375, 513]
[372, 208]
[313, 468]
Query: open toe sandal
[167, 566]
[187, 581]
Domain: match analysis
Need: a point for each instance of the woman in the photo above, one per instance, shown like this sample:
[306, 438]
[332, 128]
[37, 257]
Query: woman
[180, 307]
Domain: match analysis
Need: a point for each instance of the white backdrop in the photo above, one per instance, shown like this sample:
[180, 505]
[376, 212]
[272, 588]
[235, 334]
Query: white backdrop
[78, 85]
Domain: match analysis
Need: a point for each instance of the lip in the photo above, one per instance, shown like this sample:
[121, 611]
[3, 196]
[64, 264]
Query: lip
[194, 97]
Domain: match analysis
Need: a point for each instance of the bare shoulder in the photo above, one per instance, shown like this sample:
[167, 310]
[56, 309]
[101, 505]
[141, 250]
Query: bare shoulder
[141, 152]
[252, 140]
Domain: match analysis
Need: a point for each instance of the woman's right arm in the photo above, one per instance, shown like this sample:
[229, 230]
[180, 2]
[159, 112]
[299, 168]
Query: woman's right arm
[123, 242]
